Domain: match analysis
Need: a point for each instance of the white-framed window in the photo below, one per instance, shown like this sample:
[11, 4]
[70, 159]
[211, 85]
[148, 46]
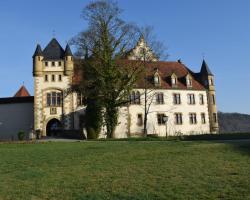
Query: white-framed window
[135, 97]
[178, 118]
[177, 98]
[159, 98]
[80, 99]
[203, 118]
[191, 99]
[160, 119]
[192, 118]
[201, 98]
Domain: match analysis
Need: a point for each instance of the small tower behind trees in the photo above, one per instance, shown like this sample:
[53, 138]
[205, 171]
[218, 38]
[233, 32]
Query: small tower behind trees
[207, 79]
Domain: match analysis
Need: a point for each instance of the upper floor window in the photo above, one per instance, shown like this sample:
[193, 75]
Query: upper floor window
[46, 64]
[80, 99]
[157, 81]
[59, 63]
[160, 98]
[54, 99]
[177, 99]
[215, 117]
[53, 64]
[211, 82]
[192, 118]
[53, 78]
[213, 99]
[191, 99]
[59, 77]
[46, 78]
[174, 80]
[203, 118]
[189, 81]
[178, 118]
[201, 97]
[135, 97]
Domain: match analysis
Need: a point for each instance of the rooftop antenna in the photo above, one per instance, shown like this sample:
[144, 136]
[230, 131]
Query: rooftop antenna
[54, 33]
[203, 56]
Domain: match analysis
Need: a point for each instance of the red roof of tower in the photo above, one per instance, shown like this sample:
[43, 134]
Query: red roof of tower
[22, 92]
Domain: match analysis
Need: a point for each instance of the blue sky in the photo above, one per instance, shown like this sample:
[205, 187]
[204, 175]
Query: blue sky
[220, 29]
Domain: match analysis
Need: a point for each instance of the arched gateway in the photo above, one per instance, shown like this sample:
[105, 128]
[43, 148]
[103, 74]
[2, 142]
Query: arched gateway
[53, 127]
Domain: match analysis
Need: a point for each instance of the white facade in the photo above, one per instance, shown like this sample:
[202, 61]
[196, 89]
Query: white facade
[169, 109]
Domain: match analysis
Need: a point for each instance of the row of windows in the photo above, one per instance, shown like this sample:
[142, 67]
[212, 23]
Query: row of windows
[135, 98]
[53, 63]
[178, 118]
[53, 78]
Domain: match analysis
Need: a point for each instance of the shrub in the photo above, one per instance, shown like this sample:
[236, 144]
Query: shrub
[21, 135]
[91, 133]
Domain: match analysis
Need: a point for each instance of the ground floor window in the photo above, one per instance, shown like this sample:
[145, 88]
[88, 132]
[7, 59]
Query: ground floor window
[139, 120]
[161, 119]
[192, 118]
[178, 118]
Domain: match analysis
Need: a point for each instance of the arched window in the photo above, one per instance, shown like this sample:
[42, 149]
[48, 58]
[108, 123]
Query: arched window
[189, 81]
[174, 80]
[132, 97]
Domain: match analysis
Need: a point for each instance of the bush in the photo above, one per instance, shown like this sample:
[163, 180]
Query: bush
[91, 133]
[21, 135]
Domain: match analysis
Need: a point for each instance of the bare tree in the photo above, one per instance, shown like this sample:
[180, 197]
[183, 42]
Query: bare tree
[103, 44]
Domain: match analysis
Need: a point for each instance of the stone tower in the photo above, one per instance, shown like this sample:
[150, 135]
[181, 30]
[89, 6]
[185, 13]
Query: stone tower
[52, 71]
[207, 79]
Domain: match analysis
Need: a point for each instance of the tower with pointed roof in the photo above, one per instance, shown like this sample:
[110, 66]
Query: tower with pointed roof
[53, 73]
[207, 79]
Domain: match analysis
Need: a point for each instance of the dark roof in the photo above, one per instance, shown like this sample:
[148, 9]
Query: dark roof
[68, 51]
[10, 100]
[53, 51]
[38, 51]
[205, 69]
[22, 92]
[165, 70]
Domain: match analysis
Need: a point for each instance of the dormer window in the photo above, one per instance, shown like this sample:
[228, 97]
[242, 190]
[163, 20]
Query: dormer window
[157, 81]
[189, 81]
[174, 80]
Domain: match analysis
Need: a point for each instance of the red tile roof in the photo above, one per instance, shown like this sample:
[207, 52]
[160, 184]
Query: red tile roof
[22, 92]
[165, 70]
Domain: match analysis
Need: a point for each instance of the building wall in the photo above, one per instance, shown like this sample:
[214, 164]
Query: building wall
[42, 87]
[15, 117]
[129, 117]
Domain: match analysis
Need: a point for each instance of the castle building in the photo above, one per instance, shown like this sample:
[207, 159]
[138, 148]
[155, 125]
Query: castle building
[185, 98]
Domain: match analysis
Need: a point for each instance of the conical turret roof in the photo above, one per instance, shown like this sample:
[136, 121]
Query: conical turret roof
[53, 51]
[38, 51]
[68, 51]
[205, 69]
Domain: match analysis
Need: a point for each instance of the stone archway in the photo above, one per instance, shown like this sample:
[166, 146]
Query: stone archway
[53, 127]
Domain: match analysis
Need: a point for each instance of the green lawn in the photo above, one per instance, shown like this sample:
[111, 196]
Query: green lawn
[125, 170]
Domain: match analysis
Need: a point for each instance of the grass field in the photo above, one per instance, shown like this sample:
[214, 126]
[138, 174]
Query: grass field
[125, 170]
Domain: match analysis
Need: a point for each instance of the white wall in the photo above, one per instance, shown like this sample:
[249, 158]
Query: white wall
[168, 108]
[15, 117]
